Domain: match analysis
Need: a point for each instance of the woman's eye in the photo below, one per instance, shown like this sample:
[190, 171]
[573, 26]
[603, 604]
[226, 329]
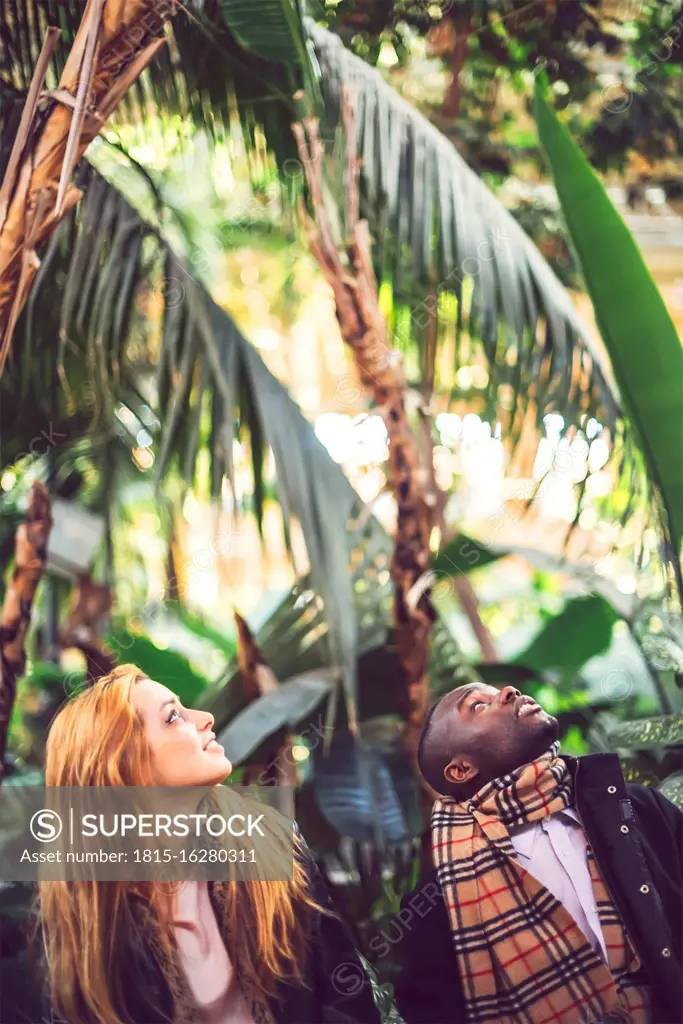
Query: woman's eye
[170, 718]
[474, 704]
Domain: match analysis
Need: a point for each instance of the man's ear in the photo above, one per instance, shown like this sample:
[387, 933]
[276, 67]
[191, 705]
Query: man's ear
[458, 771]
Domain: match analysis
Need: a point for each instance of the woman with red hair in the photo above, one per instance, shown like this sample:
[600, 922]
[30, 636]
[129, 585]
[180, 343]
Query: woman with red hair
[236, 952]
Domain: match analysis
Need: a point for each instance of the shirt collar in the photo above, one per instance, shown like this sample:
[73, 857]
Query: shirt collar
[524, 839]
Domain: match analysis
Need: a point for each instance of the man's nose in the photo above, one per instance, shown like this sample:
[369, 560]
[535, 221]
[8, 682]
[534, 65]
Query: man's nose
[508, 694]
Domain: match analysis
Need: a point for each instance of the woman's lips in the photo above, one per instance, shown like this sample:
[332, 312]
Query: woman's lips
[214, 745]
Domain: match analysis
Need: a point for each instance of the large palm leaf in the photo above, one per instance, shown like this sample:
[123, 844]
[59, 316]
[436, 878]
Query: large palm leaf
[438, 231]
[204, 75]
[100, 275]
[295, 639]
[637, 328]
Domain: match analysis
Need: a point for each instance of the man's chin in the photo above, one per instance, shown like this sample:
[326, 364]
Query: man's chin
[548, 726]
[542, 730]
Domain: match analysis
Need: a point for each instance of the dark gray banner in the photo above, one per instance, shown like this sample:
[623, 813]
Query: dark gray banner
[143, 833]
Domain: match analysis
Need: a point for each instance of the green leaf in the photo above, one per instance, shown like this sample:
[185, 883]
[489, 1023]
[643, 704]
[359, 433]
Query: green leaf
[582, 630]
[165, 666]
[272, 30]
[286, 707]
[639, 768]
[224, 642]
[500, 673]
[636, 326]
[672, 789]
[661, 731]
[462, 555]
[268, 28]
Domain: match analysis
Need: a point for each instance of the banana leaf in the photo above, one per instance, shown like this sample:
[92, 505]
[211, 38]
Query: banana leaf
[636, 326]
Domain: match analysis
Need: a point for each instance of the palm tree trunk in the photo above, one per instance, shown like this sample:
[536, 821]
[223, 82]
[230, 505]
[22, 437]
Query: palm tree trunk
[461, 49]
[364, 330]
[114, 43]
[90, 611]
[277, 767]
[29, 565]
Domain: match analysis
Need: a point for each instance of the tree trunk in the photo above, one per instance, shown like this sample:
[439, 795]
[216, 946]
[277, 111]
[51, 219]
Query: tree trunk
[419, 500]
[365, 332]
[90, 610]
[459, 55]
[276, 769]
[114, 43]
[29, 565]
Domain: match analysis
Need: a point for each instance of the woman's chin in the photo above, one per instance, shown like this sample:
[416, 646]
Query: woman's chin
[219, 769]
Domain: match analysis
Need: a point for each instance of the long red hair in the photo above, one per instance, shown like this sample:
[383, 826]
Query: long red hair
[98, 739]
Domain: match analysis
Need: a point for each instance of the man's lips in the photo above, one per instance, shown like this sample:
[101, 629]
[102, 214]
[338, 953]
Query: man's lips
[527, 706]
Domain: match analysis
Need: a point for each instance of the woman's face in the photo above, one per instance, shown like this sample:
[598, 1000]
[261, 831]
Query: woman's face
[184, 749]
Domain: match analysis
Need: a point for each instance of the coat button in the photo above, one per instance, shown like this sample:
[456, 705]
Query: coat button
[611, 789]
[471, 808]
[645, 889]
[624, 829]
[666, 951]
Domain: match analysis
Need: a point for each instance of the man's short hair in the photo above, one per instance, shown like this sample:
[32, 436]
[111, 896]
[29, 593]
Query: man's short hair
[430, 764]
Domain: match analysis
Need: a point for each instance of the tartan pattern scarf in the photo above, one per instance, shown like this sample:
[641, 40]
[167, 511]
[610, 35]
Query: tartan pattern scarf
[521, 955]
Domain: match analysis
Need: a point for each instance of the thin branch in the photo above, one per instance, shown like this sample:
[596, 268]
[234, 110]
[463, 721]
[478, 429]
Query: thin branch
[48, 49]
[91, 23]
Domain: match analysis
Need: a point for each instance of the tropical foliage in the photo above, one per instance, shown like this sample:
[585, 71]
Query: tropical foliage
[461, 283]
[122, 337]
[489, 283]
[630, 311]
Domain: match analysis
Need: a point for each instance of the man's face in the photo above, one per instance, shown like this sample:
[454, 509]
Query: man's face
[491, 732]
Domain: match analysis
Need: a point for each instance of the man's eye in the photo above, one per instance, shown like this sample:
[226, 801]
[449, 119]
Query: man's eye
[474, 703]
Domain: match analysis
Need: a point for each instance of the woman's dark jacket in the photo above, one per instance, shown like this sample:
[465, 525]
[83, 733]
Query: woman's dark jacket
[637, 837]
[337, 992]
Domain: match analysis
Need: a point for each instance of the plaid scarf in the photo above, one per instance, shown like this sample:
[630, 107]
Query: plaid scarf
[522, 957]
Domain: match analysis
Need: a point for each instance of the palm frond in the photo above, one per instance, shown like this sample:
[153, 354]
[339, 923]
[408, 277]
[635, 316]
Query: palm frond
[445, 248]
[439, 232]
[204, 76]
[103, 272]
[295, 639]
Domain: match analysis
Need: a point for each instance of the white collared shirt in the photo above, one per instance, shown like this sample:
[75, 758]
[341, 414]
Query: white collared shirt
[553, 850]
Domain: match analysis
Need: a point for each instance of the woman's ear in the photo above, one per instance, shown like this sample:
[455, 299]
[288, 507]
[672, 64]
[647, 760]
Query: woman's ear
[458, 771]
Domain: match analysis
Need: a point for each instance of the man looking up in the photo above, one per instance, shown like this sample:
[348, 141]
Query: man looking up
[562, 885]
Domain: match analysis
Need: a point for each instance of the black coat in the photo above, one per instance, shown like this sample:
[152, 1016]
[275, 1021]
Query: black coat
[338, 990]
[637, 837]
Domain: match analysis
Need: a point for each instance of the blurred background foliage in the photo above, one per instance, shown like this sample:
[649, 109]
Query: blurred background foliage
[179, 376]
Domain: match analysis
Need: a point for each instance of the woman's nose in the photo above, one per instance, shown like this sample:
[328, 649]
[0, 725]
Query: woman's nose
[509, 693]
